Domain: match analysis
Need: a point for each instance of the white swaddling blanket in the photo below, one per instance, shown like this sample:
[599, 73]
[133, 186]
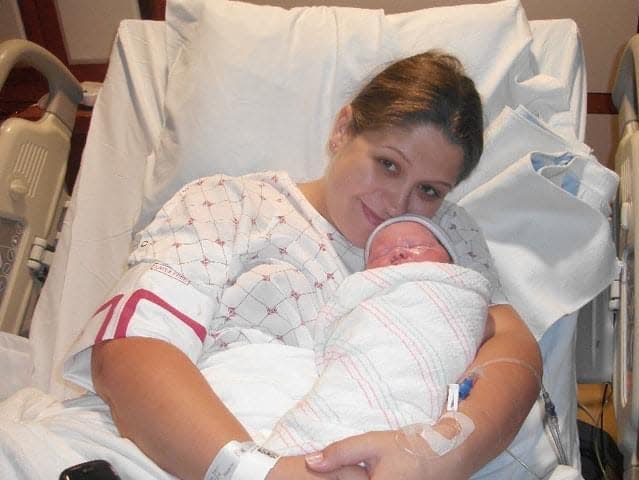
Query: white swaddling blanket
[415, 326]
[386, 347]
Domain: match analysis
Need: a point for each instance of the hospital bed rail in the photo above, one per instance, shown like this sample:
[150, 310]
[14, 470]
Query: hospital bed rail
[626, 232]
[33, 160]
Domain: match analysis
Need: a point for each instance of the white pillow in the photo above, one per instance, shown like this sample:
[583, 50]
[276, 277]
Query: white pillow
[257, 87]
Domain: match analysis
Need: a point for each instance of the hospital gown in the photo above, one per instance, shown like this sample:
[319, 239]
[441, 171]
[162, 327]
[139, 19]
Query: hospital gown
[213, 230]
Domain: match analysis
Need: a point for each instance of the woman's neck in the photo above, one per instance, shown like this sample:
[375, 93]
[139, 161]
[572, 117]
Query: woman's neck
[315, 193]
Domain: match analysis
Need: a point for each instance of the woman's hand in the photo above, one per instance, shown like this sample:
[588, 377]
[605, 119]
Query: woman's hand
[288, 468]
[388, 456]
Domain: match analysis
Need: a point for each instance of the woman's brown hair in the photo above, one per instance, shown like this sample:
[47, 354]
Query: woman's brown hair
[429, 88]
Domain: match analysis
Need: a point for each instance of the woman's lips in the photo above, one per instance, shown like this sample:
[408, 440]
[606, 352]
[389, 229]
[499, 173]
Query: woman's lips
[372, 218]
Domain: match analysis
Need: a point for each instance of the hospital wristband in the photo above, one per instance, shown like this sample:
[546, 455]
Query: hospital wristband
[241, 461]
[255, 463]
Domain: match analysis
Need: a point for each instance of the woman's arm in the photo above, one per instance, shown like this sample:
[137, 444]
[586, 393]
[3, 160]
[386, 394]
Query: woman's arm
[509, 362]
[510, 369]
[161, 401]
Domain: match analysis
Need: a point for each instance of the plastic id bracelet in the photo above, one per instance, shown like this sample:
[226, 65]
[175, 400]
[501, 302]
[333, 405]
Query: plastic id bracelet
[241, 461]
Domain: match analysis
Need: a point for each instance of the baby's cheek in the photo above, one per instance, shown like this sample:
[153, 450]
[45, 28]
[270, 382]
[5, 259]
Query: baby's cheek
[434, 255]
[375, 262]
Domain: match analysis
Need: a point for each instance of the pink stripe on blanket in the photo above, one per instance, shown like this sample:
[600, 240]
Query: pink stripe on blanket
[132, 303]
[289, 437]
[375, 278]
[365, 386]
[412, 346]
[451, 319]
[305, 406]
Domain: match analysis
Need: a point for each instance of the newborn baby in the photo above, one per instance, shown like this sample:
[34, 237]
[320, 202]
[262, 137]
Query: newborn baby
[390, 341]
[404, 241]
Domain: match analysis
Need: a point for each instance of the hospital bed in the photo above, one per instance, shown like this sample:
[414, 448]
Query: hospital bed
[164, 117]
[625, 337]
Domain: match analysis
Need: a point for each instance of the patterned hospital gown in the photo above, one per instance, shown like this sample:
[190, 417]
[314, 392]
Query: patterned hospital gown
[182, 285]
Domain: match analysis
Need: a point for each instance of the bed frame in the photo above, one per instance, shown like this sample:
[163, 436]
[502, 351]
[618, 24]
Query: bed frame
[626, 230]
[608, 343]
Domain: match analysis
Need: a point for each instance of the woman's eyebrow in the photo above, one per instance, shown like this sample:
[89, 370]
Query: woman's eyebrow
[399, 152]
[441, 183]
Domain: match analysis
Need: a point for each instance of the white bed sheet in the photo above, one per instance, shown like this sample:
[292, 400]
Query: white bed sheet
[126, 122]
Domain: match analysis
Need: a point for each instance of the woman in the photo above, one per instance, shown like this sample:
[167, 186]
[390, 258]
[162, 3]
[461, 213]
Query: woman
[401, 145]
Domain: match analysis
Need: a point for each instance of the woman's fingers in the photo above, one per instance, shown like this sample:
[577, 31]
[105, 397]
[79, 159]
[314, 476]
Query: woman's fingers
[288, 468]
[350, 473]
[357, 450]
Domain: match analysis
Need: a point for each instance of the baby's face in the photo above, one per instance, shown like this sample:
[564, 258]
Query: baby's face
[404, 242]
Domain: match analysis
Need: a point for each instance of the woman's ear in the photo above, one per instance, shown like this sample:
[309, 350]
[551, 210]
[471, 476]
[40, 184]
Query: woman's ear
[341, 131]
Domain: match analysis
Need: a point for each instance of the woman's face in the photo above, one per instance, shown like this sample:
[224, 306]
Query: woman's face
[383, 174]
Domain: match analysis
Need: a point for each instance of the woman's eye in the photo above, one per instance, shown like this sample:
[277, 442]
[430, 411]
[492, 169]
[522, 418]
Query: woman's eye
[388, 165]
[429, 191]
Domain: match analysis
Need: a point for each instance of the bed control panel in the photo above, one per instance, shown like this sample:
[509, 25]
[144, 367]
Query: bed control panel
[33, 160]
[32, 171]
[10, 236]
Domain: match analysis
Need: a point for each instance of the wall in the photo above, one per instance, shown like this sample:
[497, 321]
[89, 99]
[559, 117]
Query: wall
[89, 27]
[11, 25]
[605, 27]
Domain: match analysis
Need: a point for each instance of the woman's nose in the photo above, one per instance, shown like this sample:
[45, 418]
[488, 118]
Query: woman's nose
[397, 204]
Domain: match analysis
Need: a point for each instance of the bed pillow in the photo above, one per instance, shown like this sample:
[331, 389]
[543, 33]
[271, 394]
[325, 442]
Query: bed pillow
[256, 87]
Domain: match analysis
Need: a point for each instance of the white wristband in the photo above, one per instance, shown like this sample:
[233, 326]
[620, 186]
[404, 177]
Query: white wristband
[255, 464]
[241, 461]
[225, 462]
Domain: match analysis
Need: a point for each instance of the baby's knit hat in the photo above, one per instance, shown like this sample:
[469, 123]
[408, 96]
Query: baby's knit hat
[427, 222]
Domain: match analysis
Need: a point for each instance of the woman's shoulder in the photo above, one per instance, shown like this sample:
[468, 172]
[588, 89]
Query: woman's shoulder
[276, 179]
[209, 202]
[223, 190]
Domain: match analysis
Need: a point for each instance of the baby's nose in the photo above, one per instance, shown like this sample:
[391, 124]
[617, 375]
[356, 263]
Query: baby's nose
[399, 255]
